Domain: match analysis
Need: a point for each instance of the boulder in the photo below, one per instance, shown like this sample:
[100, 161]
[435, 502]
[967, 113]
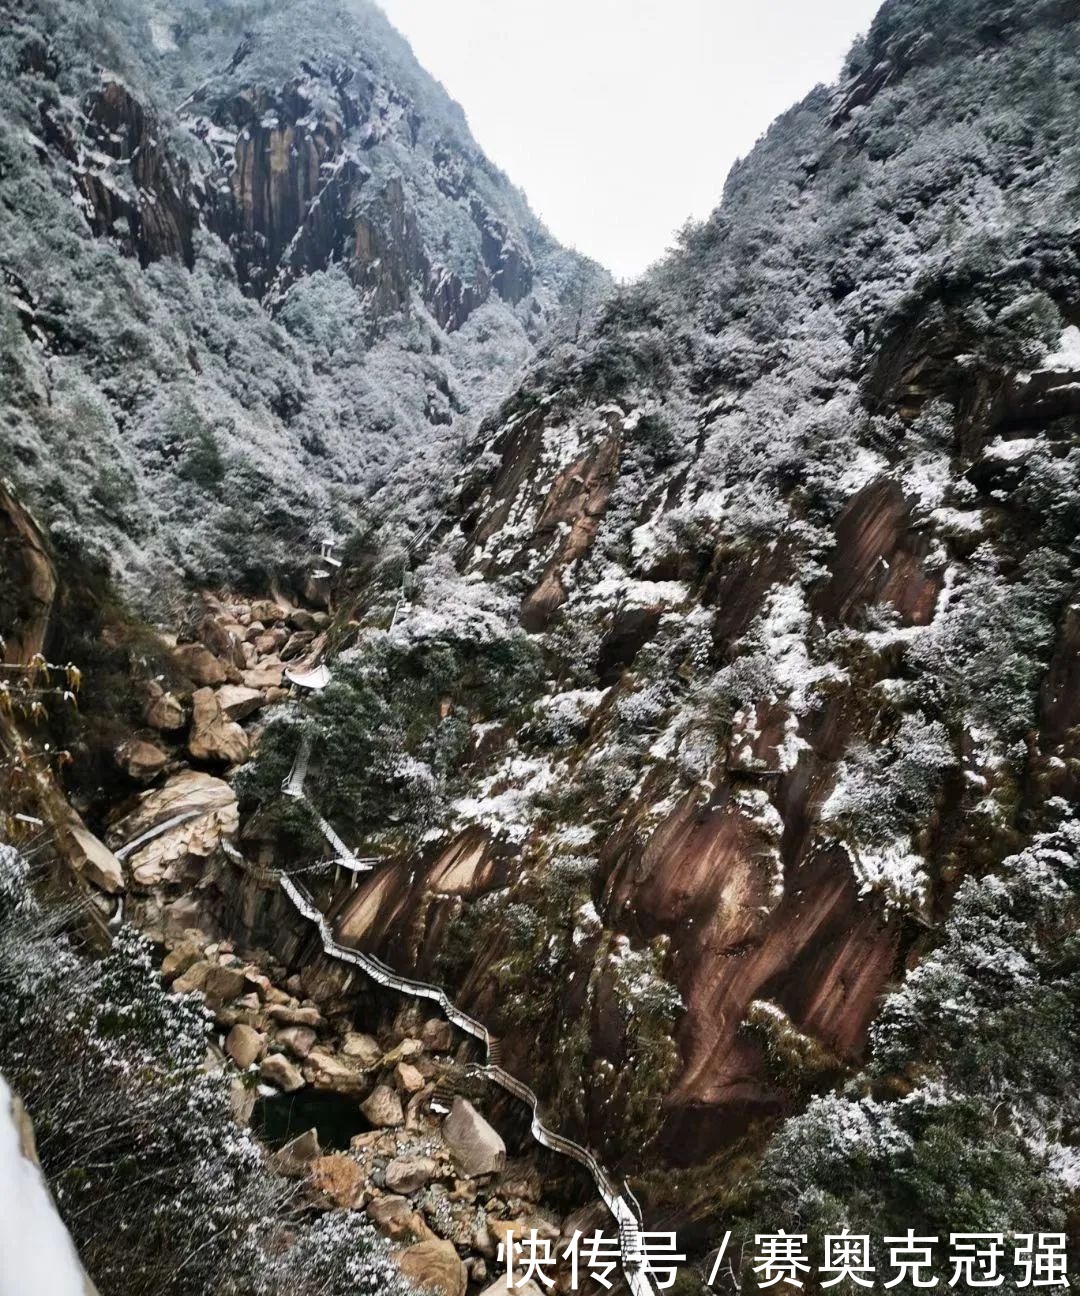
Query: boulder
[237, 702]
[408, 1174]
[407, 1078]
[339, 1178]
[91, 858]
[223, 983]
[302, 620]
[297, 1155]
[396, 1219]
[299, 1040]
[219, 640]
[363, 1049]
[140, 760]
[210, 803]
[383, 1107]
[162, 711]
[476, 1147]
[213, 737]
[406, 1051]
[193, 977]
[270, 641]
[297, 645]
[437, 1036]
[325, 1070]
[277, 1070]
[179, 960]
[291, 1015]
[200, 665]
[266, 676]
[245, 1046]
[268, 612]
[435, 1266]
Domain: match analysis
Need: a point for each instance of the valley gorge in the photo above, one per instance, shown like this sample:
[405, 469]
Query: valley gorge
[681, 676]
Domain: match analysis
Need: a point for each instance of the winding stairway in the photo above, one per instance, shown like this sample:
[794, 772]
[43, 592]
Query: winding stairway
[621, 1203]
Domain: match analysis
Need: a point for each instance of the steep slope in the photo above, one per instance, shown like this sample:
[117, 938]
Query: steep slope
[256, 270]
[759, 634]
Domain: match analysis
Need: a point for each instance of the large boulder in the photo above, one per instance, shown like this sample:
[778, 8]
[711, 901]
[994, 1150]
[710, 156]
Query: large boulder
[267, 675]
[163, 711]
[408, 1174]
[299, 1040]
[91, 858]
[326, 1070]
[277, 1070]
[476, 1147]
[383, 1107]
[200, 665]
[213, 737]
[435, 1266]
[363, 1049]
[268, 612]
[245, 1045]
[295, 1157]
[237, 701]
[339, 1178]
[141, 760]
[198, 809]
[396, 1219]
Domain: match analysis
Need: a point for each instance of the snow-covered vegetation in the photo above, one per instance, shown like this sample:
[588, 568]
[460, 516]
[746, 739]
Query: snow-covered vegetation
[162, 1190]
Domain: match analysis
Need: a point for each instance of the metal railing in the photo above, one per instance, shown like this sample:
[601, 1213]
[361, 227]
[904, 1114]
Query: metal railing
[622, 1204]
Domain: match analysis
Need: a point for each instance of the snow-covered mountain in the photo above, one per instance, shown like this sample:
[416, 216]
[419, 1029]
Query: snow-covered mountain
[717, 732]
[257, 272]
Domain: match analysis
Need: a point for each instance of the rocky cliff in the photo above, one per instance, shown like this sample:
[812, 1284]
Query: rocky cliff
[793, 534]
[257, 271]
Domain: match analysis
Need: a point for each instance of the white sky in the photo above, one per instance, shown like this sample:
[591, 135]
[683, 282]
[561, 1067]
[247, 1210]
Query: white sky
[621, 118]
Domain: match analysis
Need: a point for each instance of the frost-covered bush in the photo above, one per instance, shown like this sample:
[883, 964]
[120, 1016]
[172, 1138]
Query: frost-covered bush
[980, 663]
[164, 1194]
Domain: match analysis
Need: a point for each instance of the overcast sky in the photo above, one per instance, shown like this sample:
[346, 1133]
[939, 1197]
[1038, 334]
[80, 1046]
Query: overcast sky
[621, 118]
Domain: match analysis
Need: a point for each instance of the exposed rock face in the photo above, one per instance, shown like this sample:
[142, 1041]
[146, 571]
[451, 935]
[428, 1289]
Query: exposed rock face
[29, 586]
[317, 190]
[785, 582]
